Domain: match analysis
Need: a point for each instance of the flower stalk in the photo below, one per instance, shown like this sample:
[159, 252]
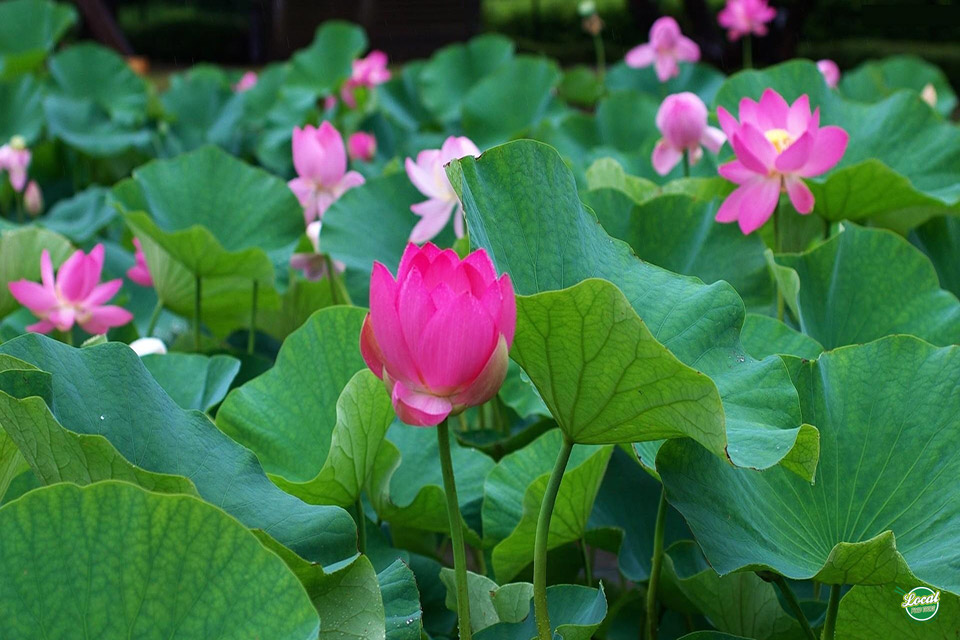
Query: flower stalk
[543, 534]
[657, 562]
[456, 531]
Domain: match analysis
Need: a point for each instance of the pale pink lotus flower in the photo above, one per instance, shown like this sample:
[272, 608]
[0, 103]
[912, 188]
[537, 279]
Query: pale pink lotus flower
[830, 72]
[33, 198]
[140, 272]
[329, 102]
[148, 347]
[362, 146]
[314, 265]
[744, 17]
[929, 94]
[438, 335]
[428, 175]
[682, 120]
[75, 295]
[247, 81]
[15, 159]
[367, 72]
[321, 163]
[667, 46]
[777, 145]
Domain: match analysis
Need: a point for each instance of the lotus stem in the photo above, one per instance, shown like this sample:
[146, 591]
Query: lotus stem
[791, 599]
[196, 317]
[656, 564]
[154, 317]
[361, 527]
[252, 335]
[777, 248]
[830, 622]
[587, 566]
[540, 546]
[747, 52]
[686, 164]
[456, 531]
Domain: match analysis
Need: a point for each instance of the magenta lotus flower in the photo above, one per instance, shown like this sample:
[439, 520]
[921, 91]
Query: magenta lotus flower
[15, 159]
[33, 198]
[438, 335]
[429, 176]
[367, 72]
[247, 81]
[682, 120]
[139, 272]
[321, 163]
[667, 46]
[777, 145]
[830, 72]
[744, 17]
[362, 146]
[75, 295]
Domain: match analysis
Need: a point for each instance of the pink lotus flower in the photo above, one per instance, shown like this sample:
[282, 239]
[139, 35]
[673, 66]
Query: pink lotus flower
[33, 198]
[247, 81]
[14, 159]
[362, 146]
[429, 176]
[139, 272]
[321, 163]
[777, 145]
[830, 72]
[329, 102]
[74, 296]
[743, 17]
[314, 265]
[682, 120]
[367, 72]
[438, 335]
[667, 46]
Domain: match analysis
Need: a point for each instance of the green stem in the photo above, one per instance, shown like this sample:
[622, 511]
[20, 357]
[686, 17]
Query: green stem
[540, 546]
[361, 527]
[777, 248]
[830, 622]
[816, 589]
[196, 316]
[686, 164]
[747, 52]
[791, 599]
[252, 335]
[331, 279]
[463, 422]
[601, 57]
[18, 199]
[659, 527]
[456, 531]
[154, 317]
[587, 567]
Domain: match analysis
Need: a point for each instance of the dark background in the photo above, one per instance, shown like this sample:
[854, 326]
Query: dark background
[254, 32]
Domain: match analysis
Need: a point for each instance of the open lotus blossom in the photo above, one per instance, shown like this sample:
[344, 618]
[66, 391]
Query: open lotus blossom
[148, 347]
[438, 335]
[74, 296]
[777, 145]
[830, 72]
[15, 159]
[429, 176]
[682, 120]
[666, 48]
[247, 81]
[321, 163]
[744, 17]
[139, 272]
[33, 198]
[367, 72]
[362, 146]
[314, 265]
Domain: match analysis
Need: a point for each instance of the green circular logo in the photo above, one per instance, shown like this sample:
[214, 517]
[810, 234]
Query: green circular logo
[921, 603]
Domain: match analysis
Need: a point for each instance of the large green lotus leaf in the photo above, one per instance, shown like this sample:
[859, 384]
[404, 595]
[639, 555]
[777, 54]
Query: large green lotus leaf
[507, 102]
[701, 79]
[21, 109]
[203, 109]
[765, 336]
[142, 565]
[738, 603]
[625, 120]
[327, 61]
[446, 79]
[863, 284]
[401, 602]
[939, 239]
[400, 99]
[29, 30]
[514, 491]
[887, 413]
[20, 252]
[301, 299]
[481, 591]
[315, 425]
[874, 80]
[12, 464]
[888, 169]
[82, 216]
[518, 393]
[575, 614]
[106, 390]
[194, 381]
[870, 612]
[605, 377]
[406, 487]
[606, 173]
[84, 125]
[88, 71]
[678, 232]
[536, 229]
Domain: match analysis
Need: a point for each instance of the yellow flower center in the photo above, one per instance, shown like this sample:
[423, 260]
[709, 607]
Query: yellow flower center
[779, 138]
